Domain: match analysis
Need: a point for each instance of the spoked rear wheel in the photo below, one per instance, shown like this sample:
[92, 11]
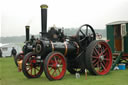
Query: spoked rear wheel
[55, 66]
[32, 66]
[98, 57]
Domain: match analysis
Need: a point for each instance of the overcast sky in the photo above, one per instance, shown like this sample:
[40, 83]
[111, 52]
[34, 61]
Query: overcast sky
[15, 14]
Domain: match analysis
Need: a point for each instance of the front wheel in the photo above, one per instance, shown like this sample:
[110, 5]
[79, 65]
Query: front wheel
[32, 65]
[55, 66]
[98, 57]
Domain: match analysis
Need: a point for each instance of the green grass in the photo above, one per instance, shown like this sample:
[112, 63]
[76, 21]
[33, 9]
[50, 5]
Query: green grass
[9, 75]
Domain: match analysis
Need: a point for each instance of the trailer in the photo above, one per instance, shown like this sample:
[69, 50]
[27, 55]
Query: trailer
[117, 34]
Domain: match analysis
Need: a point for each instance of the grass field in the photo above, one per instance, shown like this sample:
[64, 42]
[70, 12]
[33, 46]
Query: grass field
[9, 75]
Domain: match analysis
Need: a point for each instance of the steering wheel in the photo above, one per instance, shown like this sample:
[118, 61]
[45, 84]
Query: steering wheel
[83, 34]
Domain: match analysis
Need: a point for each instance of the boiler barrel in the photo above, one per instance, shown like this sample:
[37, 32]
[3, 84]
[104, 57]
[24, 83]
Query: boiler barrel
[66, 48]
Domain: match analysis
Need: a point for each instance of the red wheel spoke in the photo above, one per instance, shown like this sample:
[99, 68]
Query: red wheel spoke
[37, 69]
[98, 67]
[103, 66]
[50, 69]
[59, 70]
[100, 50]
[95, 57]
[55, 60]
[105, 54]
[31, 71]
[97, 51]
[96, 63]
[50, 65]
[59, 61]
[103, 62]
[51, 61]
[54, 72]
[104, 51]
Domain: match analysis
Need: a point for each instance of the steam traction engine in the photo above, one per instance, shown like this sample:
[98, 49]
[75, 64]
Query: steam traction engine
[54, 54]
[28, 46]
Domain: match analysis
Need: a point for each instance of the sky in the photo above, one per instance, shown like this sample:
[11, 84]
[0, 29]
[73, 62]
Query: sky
[16, 14]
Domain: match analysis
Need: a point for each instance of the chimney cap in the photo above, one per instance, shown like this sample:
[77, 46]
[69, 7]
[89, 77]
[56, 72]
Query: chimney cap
[44, 6]
[27, 26]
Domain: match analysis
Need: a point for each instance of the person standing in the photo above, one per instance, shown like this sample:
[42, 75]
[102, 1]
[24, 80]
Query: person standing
[13, 52]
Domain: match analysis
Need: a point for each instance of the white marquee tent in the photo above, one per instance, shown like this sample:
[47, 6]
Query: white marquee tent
[6, 49]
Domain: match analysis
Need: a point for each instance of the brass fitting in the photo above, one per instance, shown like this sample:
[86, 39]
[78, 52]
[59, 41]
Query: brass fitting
[44, 6]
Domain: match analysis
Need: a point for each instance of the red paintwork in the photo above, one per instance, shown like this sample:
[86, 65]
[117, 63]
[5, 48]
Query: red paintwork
[31, 70]
[54, 71]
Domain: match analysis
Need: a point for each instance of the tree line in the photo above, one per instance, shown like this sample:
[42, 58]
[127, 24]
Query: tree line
[68, 32]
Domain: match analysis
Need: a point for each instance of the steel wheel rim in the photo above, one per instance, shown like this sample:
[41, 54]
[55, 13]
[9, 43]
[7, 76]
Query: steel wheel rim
[31, 66]
[56, 66]
[101, 58]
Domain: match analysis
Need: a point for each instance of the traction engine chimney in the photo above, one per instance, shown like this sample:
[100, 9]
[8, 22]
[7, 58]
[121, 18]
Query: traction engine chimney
[43, 19]
[27, 32]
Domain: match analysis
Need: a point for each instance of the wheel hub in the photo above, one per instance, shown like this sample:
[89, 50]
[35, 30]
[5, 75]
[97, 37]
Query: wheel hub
[101, 57]
[58, 65]
[55, 66]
